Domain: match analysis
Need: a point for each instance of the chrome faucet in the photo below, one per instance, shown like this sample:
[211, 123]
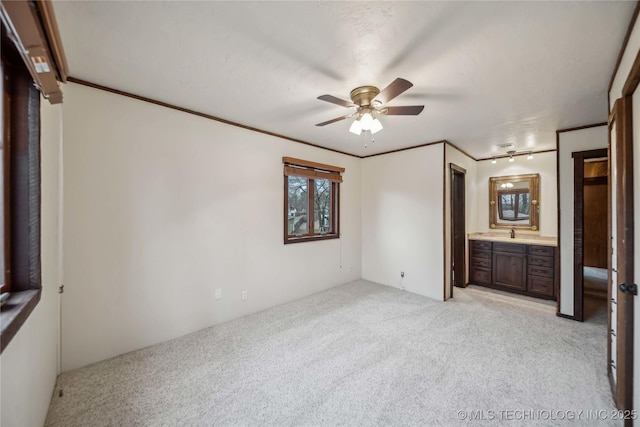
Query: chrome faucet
[513, 234]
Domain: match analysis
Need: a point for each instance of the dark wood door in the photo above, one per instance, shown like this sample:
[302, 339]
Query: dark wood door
[621, 255]
[595, 195]
[583, 220]
[458, 228]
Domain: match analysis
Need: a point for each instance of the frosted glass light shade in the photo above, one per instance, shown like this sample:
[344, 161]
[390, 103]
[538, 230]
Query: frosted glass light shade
[376, 126]
[366, 121]
[356, 127]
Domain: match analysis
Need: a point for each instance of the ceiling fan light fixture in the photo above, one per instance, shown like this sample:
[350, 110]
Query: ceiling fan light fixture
[366, 120]
[368, 102]
[376, 126]
[356, 127]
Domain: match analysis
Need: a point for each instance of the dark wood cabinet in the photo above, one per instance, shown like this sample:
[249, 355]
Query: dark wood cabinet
[541, 270]
[516, 267]
[480, 262]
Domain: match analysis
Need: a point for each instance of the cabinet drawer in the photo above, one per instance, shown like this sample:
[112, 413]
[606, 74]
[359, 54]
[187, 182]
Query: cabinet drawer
[543, 261]
[537, 270]
[541, 250]
[512, 248]
[480, 275]
[540, 285]
[480, 244]
[481, 262]
[476, 253]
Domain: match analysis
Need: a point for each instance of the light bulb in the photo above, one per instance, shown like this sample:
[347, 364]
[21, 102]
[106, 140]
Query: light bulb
[376, 126]
[366, 121]
[493, 161]
[356, 127]
[511, 159]
[530, 156]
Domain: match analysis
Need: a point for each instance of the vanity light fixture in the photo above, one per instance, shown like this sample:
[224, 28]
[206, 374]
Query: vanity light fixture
[511, 156]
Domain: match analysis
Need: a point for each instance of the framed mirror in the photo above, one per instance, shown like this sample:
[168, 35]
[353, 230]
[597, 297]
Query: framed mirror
[514, 202]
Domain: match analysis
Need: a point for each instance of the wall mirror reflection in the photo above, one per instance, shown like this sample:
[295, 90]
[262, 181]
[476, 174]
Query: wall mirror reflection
[514, 202]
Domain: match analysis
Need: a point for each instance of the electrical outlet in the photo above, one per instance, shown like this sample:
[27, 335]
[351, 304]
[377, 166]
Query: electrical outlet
[244, 295]
[402, 274]
[218, 294]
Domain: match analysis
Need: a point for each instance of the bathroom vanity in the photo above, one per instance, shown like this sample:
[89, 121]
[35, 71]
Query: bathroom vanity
[525, 265]
[513, 256]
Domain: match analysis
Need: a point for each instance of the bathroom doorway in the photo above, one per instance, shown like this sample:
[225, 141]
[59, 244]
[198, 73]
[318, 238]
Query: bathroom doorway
[596, 193]
[458, 229]
[591, 194]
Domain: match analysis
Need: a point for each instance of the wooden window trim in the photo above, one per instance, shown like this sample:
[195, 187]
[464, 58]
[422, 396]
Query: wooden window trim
[312, 171]
[35, 32]
[311, 165]
[22, 190]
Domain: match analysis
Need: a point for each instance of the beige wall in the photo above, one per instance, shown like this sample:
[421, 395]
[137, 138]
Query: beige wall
[163, 207]
[402, 219]
[543, 164]
[579, 140]
[29, 364]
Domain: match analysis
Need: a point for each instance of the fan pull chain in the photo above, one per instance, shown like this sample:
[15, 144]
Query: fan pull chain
[372, 141]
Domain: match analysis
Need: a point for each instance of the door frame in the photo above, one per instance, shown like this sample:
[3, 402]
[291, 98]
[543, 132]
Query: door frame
[621, 117]
[578, 226]
[621, 114]
[453, 170]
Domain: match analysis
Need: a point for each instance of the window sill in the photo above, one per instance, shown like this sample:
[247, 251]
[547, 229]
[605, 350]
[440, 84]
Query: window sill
[15, 312]
[311, 238]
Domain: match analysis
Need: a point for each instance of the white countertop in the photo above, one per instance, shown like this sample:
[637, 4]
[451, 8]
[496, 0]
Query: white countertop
[521, 237]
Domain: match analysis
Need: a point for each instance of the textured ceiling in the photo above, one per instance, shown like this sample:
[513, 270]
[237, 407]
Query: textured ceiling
[488, 73]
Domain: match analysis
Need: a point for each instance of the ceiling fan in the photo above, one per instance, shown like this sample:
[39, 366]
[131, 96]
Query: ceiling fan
[368, 103]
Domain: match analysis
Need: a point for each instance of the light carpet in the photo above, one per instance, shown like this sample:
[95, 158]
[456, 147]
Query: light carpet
[359, 354]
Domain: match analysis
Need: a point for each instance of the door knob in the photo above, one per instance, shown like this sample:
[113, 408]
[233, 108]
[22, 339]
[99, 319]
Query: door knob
[632, 288]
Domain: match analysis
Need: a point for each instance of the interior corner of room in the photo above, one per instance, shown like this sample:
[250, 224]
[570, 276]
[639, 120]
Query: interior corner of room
[488, 189]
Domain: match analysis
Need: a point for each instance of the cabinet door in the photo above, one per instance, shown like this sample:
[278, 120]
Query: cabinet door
[510, 270]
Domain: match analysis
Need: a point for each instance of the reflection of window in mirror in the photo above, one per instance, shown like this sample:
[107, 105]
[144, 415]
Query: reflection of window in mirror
[513, 205]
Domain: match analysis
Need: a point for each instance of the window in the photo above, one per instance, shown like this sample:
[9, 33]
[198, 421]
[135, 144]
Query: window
[311, 200]
[20, 181]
